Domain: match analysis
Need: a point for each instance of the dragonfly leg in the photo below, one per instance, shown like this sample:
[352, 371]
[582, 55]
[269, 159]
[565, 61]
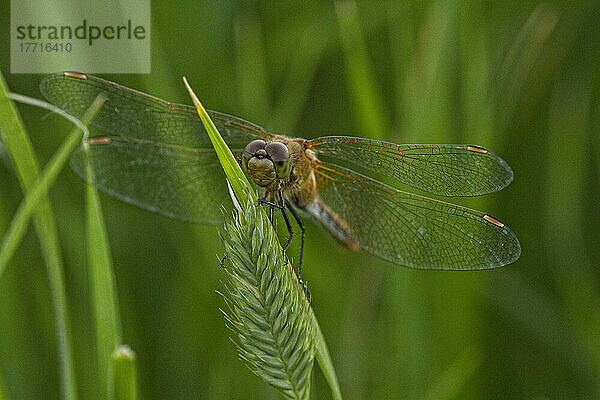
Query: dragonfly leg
[284, 206]
[288, 224]
[303, 231]
[271, 205]
[280, 206]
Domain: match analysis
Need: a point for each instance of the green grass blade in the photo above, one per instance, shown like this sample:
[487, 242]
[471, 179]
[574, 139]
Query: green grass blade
[298, 81]
[3, 395]
[368, 105]
[570, 118]
[429, 79]
[251, 67]
[324, 360]
[455, 377]
[38, 191]
[21, 152]
[102, 284]
[240, 185]
[247, 199]
[16, 141]
[124, 374]
[525, 51]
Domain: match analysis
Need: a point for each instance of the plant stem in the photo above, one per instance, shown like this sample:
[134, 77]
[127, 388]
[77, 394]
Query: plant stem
[324, 359]
[245, 194]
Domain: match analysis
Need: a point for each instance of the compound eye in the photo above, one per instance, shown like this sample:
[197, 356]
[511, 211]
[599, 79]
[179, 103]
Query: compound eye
[254, 146]
[280, 155]
[277, 151]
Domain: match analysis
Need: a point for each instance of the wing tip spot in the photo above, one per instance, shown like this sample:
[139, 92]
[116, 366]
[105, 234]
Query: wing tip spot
[98, 140]
[76, 75]
[494, 221]
[477, 149]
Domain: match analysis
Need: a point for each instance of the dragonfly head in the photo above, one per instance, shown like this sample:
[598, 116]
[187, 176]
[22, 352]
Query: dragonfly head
[265, 162]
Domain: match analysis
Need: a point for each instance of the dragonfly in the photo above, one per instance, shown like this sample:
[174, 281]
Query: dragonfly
[157, 155]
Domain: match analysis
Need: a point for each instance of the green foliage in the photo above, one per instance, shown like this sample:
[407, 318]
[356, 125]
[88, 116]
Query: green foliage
[103, 296]
[2, 393]
[368, 105]
[519, 78]
[125, 386]
[18, 145]
[40, 188]
[267, 309]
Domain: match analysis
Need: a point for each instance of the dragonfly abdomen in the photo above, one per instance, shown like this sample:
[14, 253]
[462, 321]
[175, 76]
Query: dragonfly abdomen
[331, 221]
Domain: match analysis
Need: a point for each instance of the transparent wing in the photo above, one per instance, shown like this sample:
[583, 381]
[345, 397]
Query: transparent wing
[411, 230]
[445, 170]
[133, 114]
[181, 183]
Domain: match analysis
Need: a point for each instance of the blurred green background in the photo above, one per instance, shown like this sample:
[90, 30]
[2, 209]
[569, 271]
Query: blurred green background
[519, 78]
